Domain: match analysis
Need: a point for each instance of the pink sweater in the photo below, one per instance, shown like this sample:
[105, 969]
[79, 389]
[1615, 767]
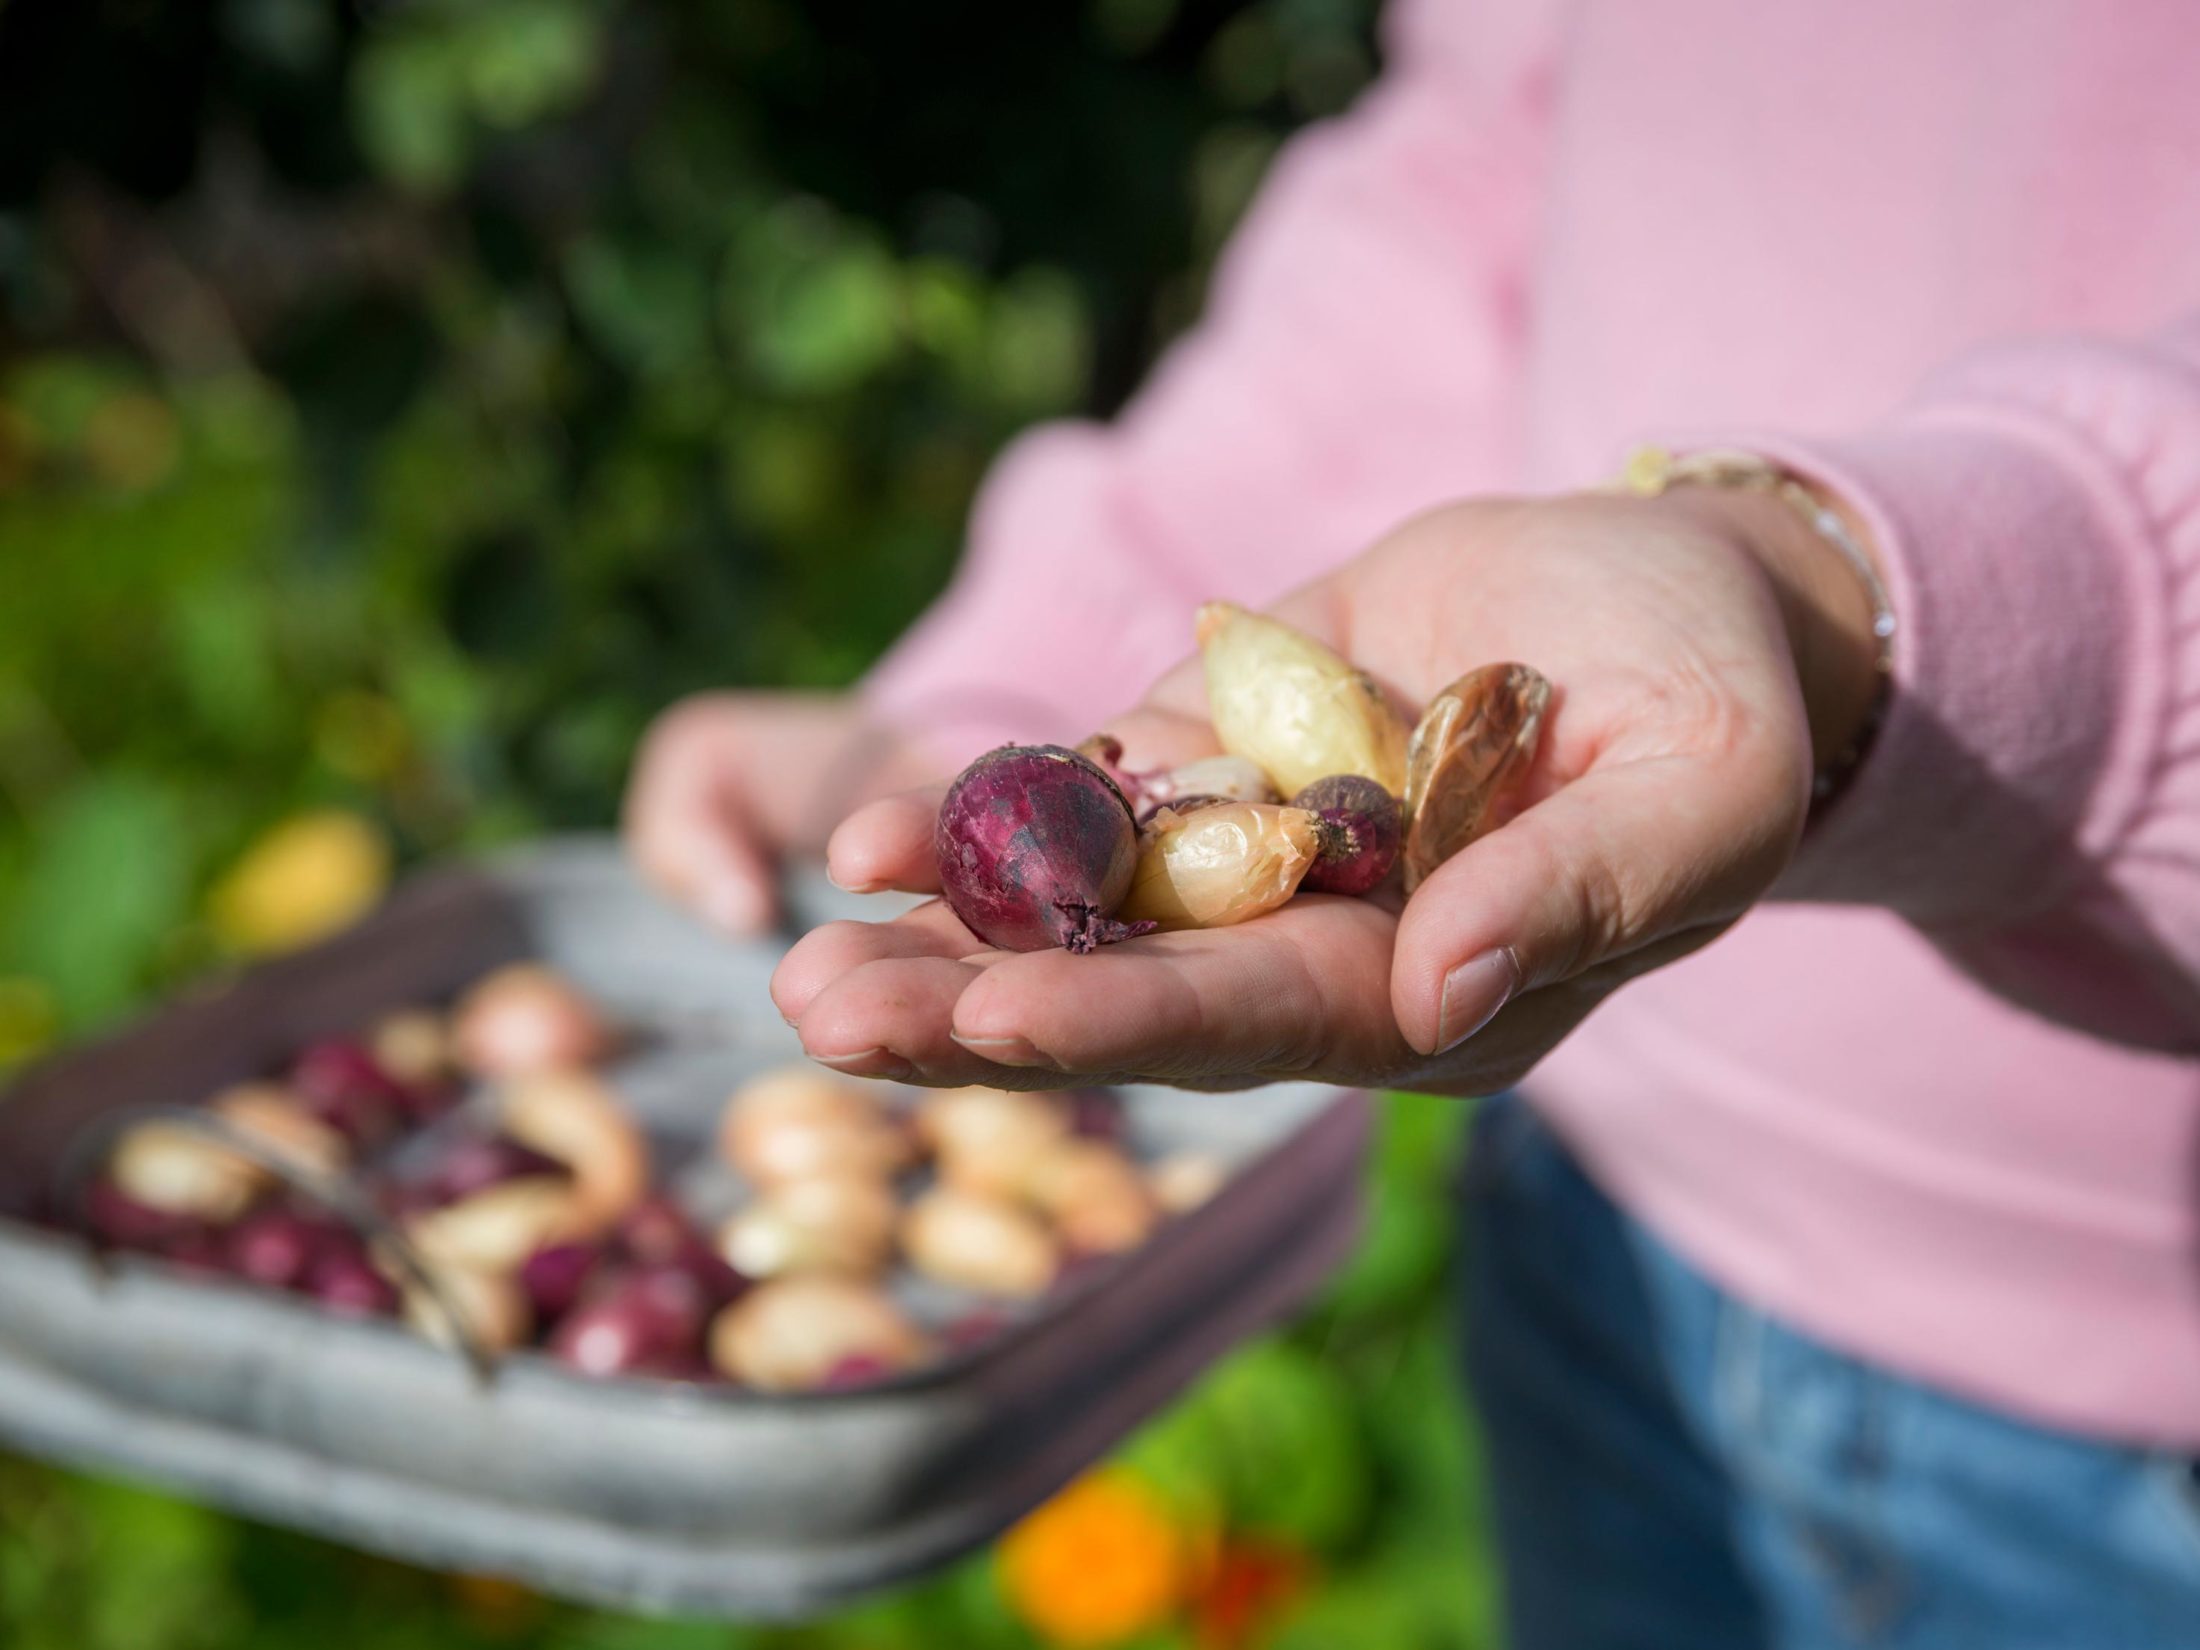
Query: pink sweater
[1939, 1104]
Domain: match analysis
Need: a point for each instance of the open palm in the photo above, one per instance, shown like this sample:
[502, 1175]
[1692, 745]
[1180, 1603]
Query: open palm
[1668, 794]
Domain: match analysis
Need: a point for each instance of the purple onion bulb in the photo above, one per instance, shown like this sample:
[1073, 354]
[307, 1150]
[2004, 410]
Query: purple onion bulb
[1358, 830]
[555, 1277]
[1036, 848]
[346, 1283]
[650, 1321]
[277, 1247]
[474, 1163]
[342, 1083]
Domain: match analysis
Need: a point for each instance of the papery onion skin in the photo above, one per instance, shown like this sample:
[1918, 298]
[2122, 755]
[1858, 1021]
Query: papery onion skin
[1036, 848]
[1105, 752]
[1221, 865]
[1474, 745]
[1360, 833]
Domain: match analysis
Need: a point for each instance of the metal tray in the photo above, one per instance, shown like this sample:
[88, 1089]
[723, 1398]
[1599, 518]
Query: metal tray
[641, 1494]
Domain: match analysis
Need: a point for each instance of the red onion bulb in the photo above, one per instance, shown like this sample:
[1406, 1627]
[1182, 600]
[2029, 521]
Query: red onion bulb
[1357, 833]
[1036, 847]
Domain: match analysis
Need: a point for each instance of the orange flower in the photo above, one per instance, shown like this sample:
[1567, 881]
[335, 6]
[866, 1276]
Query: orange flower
[1099, 1563]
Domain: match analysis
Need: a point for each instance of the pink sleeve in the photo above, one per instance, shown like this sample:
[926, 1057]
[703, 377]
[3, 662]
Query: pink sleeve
[2033, 799]
[1357, 364]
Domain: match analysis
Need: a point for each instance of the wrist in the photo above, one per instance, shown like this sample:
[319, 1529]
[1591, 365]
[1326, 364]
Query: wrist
[1826, 607]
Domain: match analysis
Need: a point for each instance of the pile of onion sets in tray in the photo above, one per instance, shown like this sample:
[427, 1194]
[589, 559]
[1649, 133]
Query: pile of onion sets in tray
[841, 1237]
[1042, 846]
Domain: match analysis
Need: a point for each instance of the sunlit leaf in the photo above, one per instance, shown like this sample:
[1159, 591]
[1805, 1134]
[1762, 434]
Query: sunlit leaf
[110, 877]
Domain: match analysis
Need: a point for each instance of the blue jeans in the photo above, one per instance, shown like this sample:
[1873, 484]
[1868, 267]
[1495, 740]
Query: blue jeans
[1674, 1471]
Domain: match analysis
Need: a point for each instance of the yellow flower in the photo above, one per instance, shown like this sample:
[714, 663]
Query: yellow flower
[1099, 1563]
[311, 875]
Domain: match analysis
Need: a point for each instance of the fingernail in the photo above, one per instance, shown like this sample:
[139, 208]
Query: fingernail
[734, 906]
[1007, 1051]
[852, 887]
[1473, 993]
[869, 1062]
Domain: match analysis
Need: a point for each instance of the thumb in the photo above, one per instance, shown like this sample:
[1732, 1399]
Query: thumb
[1610, 863]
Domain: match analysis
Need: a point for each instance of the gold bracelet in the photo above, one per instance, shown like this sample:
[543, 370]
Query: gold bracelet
[1650, 471]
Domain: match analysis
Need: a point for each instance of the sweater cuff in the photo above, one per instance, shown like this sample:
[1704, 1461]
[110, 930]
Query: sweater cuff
[2028, 684]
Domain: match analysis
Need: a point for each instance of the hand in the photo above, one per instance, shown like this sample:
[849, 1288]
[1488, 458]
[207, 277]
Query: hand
[1702, 646]
[728, 783]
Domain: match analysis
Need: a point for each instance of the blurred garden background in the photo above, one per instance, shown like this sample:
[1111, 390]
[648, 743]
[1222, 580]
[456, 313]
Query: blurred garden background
[403, 400]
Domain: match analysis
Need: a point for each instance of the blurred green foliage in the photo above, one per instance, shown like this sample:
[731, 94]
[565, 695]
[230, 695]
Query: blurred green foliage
[403, 400]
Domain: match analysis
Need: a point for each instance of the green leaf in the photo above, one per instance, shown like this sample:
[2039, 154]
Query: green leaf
[110, 880]
[1297, 1462]
[817, 304]
[524, 59]
[1401, 1257]
[408, 108]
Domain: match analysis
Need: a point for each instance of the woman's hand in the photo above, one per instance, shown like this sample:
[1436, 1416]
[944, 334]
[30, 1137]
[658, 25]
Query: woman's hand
[727, 783]
[1702, 646]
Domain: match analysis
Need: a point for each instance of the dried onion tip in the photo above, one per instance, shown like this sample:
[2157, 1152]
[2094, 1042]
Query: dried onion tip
[1221, 865]
[1036, 847]
[1359, 829]
[1292, 707]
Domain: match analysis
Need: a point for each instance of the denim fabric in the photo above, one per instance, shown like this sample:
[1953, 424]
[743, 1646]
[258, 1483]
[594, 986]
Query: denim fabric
[1675, 1471]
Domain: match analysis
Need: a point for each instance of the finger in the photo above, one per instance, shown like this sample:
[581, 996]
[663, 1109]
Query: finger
[1503, 1054]
[1300, 990]
[888, 845]
[1164, 734]
[828, 952]
[890, 1018]
[686, 827]
[1613, 861]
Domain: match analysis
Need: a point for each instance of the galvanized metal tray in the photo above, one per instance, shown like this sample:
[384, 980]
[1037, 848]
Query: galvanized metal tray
[643, 1494]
